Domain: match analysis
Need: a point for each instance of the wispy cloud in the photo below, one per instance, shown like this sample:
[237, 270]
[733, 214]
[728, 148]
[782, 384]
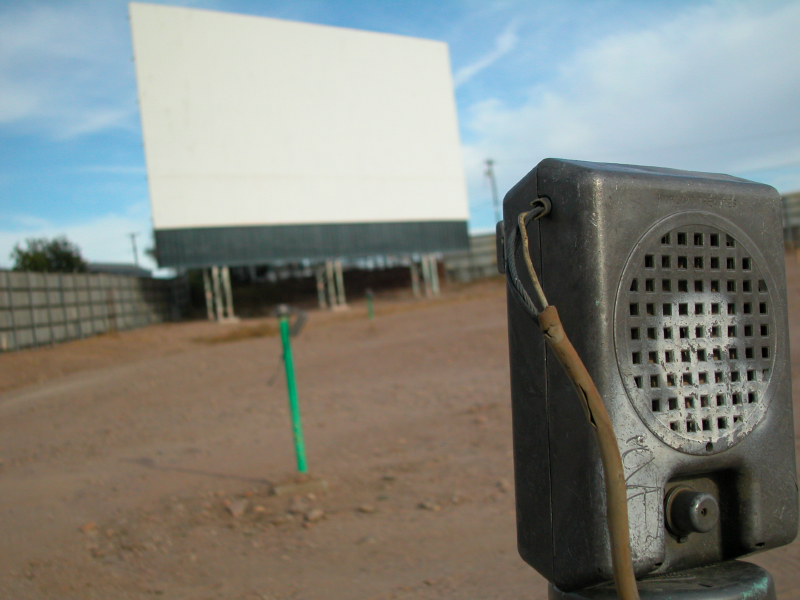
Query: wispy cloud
[104, 238]
[713, 88]
[708, 85]
[23, 222]
[134, 170]
[504, 44]
[65, 68]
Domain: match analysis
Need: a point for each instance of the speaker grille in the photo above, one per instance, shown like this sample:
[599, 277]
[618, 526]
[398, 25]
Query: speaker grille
[695, 336]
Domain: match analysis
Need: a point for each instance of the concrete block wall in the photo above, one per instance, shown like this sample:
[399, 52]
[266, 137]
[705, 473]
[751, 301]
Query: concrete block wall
[38, 309]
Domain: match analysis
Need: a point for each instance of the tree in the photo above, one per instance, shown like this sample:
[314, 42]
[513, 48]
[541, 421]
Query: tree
[44, 255]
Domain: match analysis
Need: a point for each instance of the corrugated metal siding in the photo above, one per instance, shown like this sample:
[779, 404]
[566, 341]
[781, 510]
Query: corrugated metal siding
[478, 262]
[791, 218]
[252, 245]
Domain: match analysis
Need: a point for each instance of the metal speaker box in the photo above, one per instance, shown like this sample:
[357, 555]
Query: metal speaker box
[671, 286]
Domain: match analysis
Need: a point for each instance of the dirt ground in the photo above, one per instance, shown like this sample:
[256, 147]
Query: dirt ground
[143, 464]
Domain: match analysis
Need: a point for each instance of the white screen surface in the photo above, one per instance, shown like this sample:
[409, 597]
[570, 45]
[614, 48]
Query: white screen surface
[256, 121]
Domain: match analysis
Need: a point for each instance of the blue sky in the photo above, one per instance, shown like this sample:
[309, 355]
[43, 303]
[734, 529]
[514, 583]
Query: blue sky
[709, 86]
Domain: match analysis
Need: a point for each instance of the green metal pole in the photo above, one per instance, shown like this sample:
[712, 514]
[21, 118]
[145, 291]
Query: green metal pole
[297, 428]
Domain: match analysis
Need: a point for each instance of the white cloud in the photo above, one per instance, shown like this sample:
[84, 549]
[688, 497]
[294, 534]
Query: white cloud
[99, 119]
[777, 159]
[28, 221]
[715, 88]
[104, 238]
[135, 170]
[65, 68]
[16, 101]
[504, 44]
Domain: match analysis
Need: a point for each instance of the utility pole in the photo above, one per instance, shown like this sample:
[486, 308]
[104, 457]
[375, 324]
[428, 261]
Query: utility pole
[493, 183]
[135, 252]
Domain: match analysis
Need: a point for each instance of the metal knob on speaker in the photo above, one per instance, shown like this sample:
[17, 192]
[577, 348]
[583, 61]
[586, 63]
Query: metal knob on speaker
[689, 511]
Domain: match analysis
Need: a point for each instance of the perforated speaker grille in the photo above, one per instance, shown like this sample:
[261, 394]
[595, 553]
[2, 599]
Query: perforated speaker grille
[694, 332]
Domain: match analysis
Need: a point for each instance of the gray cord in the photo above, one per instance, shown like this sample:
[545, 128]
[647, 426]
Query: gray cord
[512, 246]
